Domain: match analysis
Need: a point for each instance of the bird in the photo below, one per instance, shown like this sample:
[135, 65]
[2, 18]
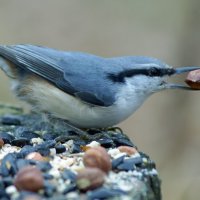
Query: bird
[85, 90]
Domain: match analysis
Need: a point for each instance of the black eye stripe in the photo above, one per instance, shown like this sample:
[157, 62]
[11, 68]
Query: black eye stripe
[151, 72]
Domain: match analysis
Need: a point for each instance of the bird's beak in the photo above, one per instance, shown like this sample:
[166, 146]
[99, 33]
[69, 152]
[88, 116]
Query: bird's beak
[181, 70]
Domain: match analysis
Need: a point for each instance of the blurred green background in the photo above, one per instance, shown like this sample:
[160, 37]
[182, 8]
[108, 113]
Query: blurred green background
[167, 126]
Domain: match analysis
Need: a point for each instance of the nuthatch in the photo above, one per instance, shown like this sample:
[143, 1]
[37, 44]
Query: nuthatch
[87, 91]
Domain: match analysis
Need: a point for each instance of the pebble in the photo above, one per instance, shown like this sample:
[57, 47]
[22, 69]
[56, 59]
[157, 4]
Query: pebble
[60, 148]
[52, 152]
[106, 142]
[6, 137]
[7, 148]
[42, 149]
[49, 136]
[49, 144]
[90, 178]
[1, 142]
[97, 157]
[113, 152]
[127, 149]
[37, 140]
[61, 164]
[104, 193]
[77, 167]
[20, 142]
[27, 149]
[122, 142]
[11, 120]
[11, 189]
[93, 144]
[8, 165]
[61, 185]
[85, 148]
[47, 176]
[49, 189]
[129, 164]
[27, 195]
[31, 197]
[43, 166]
[116, 162]
[4, 195]
[2, 184]
[70, 188]
[72, 196]
[20, 163]
[69, 175]
[29, 178]
[76, 147]
[35, 156]
[55, 172]
[7, 181]
[21, 133]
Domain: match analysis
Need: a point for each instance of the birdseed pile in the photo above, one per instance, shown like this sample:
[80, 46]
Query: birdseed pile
[39, 162]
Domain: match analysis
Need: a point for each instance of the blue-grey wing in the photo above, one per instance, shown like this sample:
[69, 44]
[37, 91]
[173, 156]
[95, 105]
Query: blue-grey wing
[78, 74]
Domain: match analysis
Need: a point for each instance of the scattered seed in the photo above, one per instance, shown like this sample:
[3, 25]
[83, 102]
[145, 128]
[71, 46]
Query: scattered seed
[127, 149]
[29, 178]
[90, 178]
[97, 157]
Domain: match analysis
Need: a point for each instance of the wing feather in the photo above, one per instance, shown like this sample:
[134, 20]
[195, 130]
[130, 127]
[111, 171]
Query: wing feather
[63, 70]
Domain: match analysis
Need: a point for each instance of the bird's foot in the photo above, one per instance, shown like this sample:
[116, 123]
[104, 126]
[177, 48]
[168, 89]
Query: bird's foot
[113, 129]
[100, 130]
[65, 128]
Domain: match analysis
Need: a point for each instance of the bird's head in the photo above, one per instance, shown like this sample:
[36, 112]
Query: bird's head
[149, 75]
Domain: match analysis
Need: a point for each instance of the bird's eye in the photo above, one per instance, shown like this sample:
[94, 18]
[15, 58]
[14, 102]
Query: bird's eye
[153, 71]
